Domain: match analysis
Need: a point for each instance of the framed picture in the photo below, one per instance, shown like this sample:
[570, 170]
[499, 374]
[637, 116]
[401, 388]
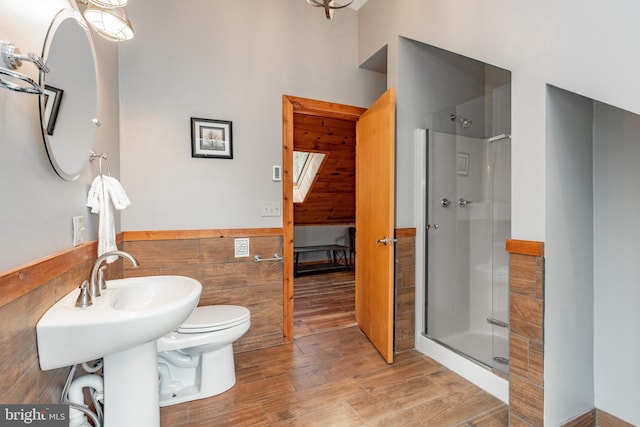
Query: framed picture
[52, 100]
[462, 164]
[211, 138]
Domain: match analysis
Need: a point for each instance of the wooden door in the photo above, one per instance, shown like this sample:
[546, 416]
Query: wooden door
[375, 222]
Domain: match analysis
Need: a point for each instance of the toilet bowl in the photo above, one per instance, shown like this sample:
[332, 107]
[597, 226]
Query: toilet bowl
[196, 361]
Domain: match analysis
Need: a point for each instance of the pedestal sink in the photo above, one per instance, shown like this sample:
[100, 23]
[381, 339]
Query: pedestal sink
[121, 327]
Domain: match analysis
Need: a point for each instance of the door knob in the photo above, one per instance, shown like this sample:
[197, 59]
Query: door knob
[445, 202]
[434, 226]
[386, 241]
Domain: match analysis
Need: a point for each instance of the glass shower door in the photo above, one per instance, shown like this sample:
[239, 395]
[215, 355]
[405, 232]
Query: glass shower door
[500, 169]
[443, 309]
[459, 246]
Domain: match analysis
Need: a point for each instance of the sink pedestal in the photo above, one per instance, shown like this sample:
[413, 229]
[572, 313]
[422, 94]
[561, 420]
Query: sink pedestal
[131, 388]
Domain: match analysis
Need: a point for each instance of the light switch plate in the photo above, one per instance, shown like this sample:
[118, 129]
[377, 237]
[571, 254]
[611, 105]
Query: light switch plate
[270, 209]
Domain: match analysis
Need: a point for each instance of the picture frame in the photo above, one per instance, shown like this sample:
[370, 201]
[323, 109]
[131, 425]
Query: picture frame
[52, 100]
[462, 164]
[211, 138]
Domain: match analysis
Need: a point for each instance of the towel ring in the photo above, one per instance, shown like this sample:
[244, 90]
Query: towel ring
[102, 157]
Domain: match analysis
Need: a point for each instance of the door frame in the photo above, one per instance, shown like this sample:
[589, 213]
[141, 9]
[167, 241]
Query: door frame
[295, 105]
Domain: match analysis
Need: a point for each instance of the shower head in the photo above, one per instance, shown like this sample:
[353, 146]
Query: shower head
[464, 122]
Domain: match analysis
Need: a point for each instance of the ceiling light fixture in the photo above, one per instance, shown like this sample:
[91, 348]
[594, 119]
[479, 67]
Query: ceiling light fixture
[109, 4]
[108, 18]
[328, 5]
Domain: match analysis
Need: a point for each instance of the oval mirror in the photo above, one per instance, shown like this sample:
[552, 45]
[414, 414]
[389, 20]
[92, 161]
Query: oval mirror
[68, 106]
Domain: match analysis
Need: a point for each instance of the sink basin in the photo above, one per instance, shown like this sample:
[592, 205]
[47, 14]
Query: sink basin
[129, 313]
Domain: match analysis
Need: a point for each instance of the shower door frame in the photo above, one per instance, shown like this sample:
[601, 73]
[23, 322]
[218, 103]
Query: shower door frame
[462, 365]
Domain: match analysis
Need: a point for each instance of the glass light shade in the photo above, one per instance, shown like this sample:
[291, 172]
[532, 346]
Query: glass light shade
[111, 24]
[109, 4]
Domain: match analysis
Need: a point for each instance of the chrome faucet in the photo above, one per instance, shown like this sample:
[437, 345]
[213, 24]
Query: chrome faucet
[97, 281]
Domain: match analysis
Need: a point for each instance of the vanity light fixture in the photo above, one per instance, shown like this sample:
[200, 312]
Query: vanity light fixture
[108, 18]
[12, 59]
[111, 24]
[328, 5]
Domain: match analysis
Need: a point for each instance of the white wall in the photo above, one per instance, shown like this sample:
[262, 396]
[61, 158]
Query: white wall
[564, 43]
[229, 60]
[616, 266]
[37, 206]
[591, 259]
[219, 59]
[568, 287]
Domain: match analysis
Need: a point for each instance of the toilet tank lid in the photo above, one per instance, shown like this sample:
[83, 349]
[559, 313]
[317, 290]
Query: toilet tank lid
[215, 315]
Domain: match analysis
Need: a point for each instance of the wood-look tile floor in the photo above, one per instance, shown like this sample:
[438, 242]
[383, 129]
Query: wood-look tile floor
[337, 378]
[323, 302]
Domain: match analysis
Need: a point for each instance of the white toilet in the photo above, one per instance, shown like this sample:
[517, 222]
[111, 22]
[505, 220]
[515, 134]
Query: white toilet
[197, 361]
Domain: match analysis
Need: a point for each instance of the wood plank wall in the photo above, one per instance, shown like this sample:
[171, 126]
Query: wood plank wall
[405, 304]
[26, 293]
[526, 336]
[597, 417]
[331, 199]
[208, 256]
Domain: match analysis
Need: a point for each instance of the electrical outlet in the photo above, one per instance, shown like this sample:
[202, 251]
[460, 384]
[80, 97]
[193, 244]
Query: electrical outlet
[241, 247]
[78, 230]
[270, 209]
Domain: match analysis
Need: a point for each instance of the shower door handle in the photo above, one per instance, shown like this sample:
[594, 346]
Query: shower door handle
[462, 202]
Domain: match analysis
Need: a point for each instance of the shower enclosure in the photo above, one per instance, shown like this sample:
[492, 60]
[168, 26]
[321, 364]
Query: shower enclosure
[468, 208]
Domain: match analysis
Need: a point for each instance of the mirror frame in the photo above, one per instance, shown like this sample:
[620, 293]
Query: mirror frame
[61, 17]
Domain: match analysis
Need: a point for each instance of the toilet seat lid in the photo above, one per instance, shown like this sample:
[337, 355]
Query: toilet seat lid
[214, 318]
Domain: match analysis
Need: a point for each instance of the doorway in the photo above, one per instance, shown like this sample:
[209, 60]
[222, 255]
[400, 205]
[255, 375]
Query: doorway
[324, 200]
[293, 108]
[374, 190]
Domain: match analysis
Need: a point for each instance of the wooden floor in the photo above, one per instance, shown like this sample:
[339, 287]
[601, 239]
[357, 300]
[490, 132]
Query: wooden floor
[323, 302]
[337, 378]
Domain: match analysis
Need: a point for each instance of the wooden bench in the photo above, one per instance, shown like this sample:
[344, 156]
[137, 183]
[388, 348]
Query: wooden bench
[337, 261]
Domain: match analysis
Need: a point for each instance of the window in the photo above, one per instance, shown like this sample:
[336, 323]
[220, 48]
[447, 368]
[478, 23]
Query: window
[305, 168]
[299, 161]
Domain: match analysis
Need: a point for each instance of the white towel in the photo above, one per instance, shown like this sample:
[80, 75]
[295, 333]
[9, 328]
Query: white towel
[104, 191]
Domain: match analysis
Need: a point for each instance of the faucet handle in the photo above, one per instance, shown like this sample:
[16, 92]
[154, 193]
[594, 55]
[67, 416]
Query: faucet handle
[84, 299]
[101, 282]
